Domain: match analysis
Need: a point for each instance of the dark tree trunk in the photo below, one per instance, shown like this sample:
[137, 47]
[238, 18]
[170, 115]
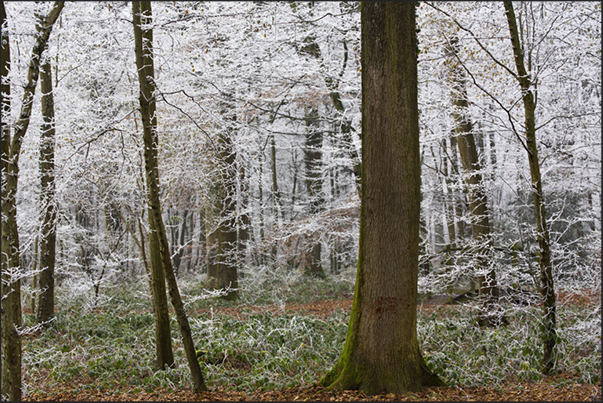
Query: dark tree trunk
[542, 233]
[313, 159]
[222, 230]
[47, 199]
[10, 149]
[244, 219]
[381, 352]
[313, 49]
[163, 333]
[34, 278]
[141, 12]
[276, 196]
[180, 244]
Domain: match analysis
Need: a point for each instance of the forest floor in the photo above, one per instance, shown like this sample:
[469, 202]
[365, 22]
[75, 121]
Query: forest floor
[561, 387]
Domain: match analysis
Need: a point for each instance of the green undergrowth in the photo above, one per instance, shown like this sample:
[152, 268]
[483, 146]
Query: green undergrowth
[111, 348]
[463, 353]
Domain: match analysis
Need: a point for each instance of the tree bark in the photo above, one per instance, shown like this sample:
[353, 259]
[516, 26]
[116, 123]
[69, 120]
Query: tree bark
[163, 333]
[142, 15]
[546, 269]
[313, 159]
[381, 352]
[244, 219]
[489, 314]
[180, 244]
[34, 278]
[276, 196]
[10, 149]
[47, 200]
[313, 49]
[222, 231]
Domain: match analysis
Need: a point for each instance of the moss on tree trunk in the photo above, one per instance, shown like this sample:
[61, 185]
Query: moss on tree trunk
[381, 352]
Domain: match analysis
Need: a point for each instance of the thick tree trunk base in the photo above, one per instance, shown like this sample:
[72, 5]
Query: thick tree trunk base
[351, 376]
[357, 370]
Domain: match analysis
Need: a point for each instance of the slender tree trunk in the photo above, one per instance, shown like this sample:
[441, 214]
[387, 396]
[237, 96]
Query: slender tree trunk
[313, 158]
[222, 266]
[381, 352]
[211, 238]
[478, 201]
[222, 209]
[202, 256]
[192, 250]
[147, 269]
[332, 85]
[244, 219]
[276, 196]
[163, 333]
[450, 197]
[47, 199]
[449, 218]
[11, 287]
[141, 12]
[10, 149]
[34, 278]
[294, 185]
[542, 232]
[180, 243]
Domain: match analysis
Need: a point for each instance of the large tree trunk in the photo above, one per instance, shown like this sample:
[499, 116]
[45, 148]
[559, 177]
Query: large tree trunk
[47, 199]
[478, 202]
[381, 352]
[10, 149]
[542, 232]
[141, 12]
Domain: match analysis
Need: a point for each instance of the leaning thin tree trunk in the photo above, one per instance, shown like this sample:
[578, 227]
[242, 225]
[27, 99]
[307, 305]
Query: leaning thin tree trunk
[478, 201]
[141, 12]
[381, 352]
[47, 200]
[163, 334]
[10, 150]
[546, 269]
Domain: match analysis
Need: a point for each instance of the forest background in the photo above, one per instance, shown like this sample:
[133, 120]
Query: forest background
[258, 109]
